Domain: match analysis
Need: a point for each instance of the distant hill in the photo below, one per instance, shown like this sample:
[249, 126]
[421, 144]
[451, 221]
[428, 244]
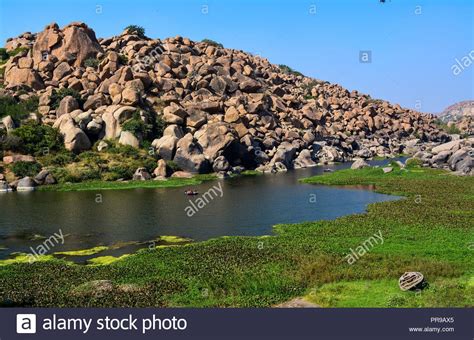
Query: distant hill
[459, 115]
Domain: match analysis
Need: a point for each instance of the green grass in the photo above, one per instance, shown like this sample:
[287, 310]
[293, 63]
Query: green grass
[423, 232]
[83, 252]
[120, 185]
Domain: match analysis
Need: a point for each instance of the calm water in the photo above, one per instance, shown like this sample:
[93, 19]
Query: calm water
[249, 206]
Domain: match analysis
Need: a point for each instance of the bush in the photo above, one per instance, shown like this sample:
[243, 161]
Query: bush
[61, 158]
[118, 172]
[413, 163]
[3, 54]
[134, 29]
[212, 42]
[173, 166]
[58, 95]
[135, 125]
[35, 138]
[153, 128]
[17, 50]
[62, 175]
[18, 110]
[289, 70]
[23, 169]
[91, 62]
[123, 59]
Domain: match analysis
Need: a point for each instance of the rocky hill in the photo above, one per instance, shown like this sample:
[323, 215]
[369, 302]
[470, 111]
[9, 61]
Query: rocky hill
[460, 115]
[200, 105]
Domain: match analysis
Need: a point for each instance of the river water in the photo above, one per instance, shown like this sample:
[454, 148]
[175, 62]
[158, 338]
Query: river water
[248, 206]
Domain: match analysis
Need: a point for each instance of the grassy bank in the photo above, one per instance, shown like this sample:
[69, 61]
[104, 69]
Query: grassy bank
[429, 231]
[118, 185]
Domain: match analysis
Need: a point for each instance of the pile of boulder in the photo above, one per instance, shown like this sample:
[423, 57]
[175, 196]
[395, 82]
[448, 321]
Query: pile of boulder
[224, 109]
[456, 155]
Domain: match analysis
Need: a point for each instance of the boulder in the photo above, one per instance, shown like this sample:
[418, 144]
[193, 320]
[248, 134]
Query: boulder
[95, 101]
[75, 139]
[387, 169]
[165, 147]
[160, 170]
[214, 139]
[182, 174]
[16, 77]
[174, 114]
[18, 158]
[189, 156]
[128, 138]
[141, 174]
[61, 71]
[26, 184]
[102, 146]
[304, 160]
[173, 130]
[67, 105]
[75, 42]
[44, 177]
[449, 146]
[220, 164]
[359, 164]
[285, 154]
[4, 187]
[8, 123]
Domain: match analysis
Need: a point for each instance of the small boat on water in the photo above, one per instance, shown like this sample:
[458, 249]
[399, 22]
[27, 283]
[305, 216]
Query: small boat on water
[191, 192]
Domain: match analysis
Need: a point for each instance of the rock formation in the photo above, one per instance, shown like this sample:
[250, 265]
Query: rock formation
[223, 108]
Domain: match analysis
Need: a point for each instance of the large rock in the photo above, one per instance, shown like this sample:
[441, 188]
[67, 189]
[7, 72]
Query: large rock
[359, 164]
[18, 158]
[128, 138]
[450, 146]
[16, 77]
[141, 174]
[26, 184]
[221, 164]
[8, 123]
[75, 41]
[160, 170]
[174, 114]
[304, 160]
[75, 139]
[285, 154]
[67, 105]
[214, 139]
[165, 147]
[189, 156]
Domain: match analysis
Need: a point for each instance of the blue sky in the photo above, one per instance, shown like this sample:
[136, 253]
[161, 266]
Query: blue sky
[414, 43]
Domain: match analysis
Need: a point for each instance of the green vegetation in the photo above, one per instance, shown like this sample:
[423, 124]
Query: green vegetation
[35, 139]
[83, 252]
[18, 110]
[424, 232]
[16, 51]
[23, 169]
[451, 129]
[134, 29]
[91, 62]
[289, 70]
[123, 59]
[212, 43]
[3, 54]
[58, 95]
[120, 185]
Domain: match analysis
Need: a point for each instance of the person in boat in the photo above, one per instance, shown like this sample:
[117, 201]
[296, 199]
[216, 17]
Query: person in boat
[190, 192]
